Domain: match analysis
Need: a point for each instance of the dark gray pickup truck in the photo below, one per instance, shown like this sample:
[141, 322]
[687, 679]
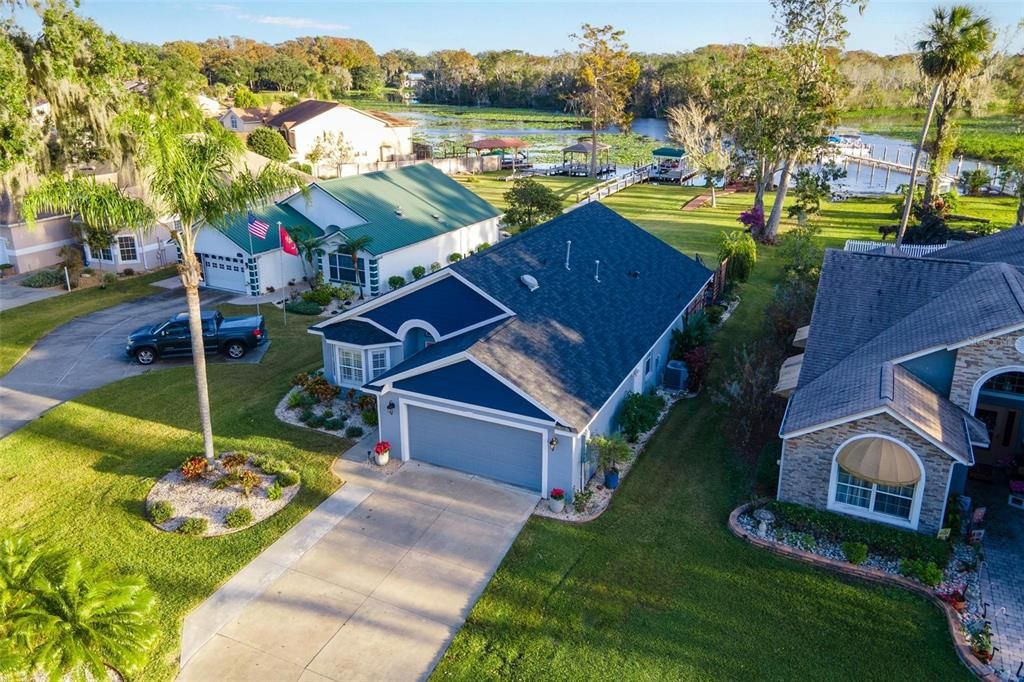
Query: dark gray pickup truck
[234, 336]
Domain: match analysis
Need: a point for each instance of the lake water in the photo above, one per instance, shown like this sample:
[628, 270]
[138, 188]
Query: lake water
[546, 142]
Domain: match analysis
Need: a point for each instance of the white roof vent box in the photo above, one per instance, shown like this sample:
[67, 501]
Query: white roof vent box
[530, 281]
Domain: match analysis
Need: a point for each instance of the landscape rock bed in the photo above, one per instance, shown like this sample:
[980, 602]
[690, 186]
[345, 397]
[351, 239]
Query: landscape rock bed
[199, 498]
[337, 416]
[601, 496]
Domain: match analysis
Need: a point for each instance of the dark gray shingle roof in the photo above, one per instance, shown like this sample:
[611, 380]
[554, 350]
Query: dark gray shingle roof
[1006, 246]
[357, 332]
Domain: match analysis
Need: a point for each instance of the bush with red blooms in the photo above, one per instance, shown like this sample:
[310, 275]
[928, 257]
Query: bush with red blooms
[193, 467]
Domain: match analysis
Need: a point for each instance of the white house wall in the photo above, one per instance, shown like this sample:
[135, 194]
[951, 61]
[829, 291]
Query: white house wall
[324, 210]
[277, 268]
[436, 250]
[364, 134]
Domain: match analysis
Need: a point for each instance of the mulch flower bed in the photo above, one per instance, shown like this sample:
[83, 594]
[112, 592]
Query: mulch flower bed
[599, 495]
[206, 500]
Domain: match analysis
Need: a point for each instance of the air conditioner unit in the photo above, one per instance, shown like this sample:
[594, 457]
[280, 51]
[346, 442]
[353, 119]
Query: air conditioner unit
[676, 375]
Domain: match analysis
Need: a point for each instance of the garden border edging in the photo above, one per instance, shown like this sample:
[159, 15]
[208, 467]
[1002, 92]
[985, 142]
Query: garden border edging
[872, 575]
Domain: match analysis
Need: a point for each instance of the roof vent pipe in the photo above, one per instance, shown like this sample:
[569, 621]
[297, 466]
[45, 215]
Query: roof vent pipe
[597, 271]
[568, 250]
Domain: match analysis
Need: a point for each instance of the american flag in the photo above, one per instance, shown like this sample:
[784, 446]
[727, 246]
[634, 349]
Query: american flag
[257, 227]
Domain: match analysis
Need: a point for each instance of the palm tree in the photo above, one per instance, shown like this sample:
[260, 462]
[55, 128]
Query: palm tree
[308, 245]
[200, 178]
[354, 246]
[953, 48]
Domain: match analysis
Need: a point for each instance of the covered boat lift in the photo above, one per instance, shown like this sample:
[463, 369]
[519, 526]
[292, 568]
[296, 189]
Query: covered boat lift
[502, 145]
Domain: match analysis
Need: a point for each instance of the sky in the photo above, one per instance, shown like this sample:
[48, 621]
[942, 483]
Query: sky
[887, 27]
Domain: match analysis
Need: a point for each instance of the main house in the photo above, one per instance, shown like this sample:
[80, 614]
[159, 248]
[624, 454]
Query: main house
[366, 136]
[913, 372]
[505, 363]
[405, 217]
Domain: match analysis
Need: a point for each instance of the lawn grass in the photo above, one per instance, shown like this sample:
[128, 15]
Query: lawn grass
[79, 475]
[21, 327]
[657, 587]
[492, 187]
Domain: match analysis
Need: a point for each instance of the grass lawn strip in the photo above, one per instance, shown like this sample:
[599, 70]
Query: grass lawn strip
[657, 587]
[22, 327]
[80, 474]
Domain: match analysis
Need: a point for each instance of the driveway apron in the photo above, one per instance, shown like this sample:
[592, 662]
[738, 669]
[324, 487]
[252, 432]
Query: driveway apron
[377, 595]
[84, 354]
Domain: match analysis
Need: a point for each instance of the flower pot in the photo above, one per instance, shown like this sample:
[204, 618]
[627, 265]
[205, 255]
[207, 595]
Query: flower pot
[611, 479]
[959, 604]
[556, 505]
[382, 458]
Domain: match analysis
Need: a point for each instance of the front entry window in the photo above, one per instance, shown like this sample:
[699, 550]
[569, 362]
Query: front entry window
[339, 268]
[350, 366]
[882, 499]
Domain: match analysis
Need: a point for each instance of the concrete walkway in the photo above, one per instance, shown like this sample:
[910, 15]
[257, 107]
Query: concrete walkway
[13, 295]
[372, 585]
[86, 353]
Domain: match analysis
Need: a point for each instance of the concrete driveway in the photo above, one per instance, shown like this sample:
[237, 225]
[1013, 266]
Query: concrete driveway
[372, 585]
[86, 353]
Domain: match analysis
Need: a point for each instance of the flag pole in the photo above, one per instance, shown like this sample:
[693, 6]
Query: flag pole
[256, 265]
[280, 258]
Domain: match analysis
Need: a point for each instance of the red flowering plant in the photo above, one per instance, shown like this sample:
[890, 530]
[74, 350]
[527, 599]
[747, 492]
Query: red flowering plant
[382, 447]
[557, 494]
[193, 467]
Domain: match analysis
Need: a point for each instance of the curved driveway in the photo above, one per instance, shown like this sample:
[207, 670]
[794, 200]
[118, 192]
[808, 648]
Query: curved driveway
[86, 353]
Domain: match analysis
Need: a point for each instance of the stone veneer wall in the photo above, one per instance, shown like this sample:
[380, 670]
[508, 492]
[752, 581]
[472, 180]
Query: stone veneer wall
[975, 360]
[807, 466]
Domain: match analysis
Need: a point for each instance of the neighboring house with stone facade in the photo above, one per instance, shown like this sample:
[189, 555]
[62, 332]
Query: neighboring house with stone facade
[913, 373]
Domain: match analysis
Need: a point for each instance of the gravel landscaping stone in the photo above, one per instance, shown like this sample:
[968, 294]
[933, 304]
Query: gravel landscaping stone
[199, 498]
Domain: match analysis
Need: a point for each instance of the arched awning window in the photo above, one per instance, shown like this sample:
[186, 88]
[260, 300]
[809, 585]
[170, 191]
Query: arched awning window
[879, 460]
[878, 477]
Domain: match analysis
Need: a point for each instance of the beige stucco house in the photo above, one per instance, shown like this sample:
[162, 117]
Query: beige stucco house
[913, 373]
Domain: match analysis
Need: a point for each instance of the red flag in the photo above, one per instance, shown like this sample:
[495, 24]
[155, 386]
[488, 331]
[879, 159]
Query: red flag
[287, 243]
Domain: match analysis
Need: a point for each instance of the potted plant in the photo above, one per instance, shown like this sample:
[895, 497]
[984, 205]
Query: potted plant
[610, 451]
[382, 452]
[958, 601]
[556, 501]
[981, 644]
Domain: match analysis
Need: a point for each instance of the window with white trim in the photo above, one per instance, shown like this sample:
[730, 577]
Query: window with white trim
[339, 268]
[350, 365]
[378, 363]
[105, 253]
[127, 248]
[882, 499]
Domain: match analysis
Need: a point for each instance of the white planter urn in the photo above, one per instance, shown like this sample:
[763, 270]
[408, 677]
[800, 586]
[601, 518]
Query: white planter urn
[382, 458]
[556, 505]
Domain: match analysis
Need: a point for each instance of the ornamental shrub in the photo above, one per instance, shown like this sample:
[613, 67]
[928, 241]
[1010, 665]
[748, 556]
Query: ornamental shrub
[418, 272]
[319, 388]
[610, 450]
[354, 432]
[698, 361]
[334, 424]
[193, 526]
[249, 481]
[161, 511]
[926, 571]
[43, 279]
[889, 542]
[304, 308]
[193, 467]
[238, 518]
[323, 294]
[295, 399]
[396, 281]
[714, 313]
[269, 143]
[435, 266]
[741, 251]
[454, 257]
[274, 491]
[639, 413]
[695, 334]
[233, 461]
[288, 478]
[370, 418]
[269, 465]
[306, 415]
[856, 552]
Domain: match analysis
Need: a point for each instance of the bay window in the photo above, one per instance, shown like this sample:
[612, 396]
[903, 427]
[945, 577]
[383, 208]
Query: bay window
[350, 366]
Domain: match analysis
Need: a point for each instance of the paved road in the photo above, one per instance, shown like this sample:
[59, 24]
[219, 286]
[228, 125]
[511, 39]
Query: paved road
[86, 353]
[372, 585]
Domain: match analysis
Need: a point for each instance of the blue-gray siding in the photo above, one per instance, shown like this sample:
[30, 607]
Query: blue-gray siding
[496, 451]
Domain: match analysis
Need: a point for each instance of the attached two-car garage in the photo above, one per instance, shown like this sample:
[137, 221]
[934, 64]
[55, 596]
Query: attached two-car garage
[476, 446]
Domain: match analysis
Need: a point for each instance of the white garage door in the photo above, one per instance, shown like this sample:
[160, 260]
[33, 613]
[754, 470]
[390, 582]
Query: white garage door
[504, 453]
[223, 272]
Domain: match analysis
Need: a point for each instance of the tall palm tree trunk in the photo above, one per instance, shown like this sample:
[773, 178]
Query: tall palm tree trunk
[771, 228]
[909, 201]
[189, 270]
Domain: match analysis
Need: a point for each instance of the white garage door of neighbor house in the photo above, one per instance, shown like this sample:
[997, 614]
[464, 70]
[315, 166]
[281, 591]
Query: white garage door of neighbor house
[223, 272]
[504, 453]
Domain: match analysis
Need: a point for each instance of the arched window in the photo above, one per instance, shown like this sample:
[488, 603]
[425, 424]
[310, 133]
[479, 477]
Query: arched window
[879, 477]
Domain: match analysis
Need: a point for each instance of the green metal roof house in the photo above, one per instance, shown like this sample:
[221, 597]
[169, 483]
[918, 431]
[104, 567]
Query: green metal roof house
[403, 218]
